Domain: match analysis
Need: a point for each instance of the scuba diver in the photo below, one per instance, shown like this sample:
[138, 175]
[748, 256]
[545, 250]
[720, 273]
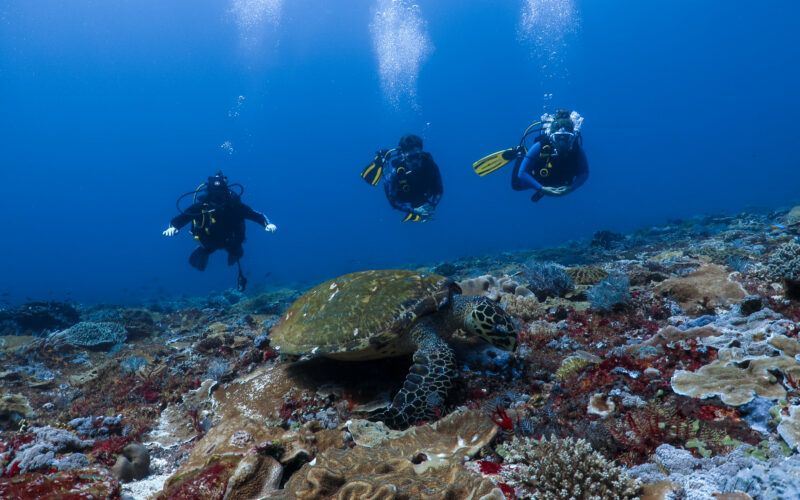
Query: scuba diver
[217, 215]
[554, 165]
[411, 178]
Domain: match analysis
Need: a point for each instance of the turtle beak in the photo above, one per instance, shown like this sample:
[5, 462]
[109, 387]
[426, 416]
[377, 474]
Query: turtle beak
[505, 337]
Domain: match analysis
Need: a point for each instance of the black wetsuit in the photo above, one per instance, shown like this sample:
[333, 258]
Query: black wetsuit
[413, 181]
[541, 168]
[218, 225]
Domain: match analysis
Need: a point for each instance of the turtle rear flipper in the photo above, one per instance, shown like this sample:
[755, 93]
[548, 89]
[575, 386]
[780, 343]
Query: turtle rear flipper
[428, 381]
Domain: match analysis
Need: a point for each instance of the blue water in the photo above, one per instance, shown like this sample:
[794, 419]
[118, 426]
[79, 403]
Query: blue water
[111, 109]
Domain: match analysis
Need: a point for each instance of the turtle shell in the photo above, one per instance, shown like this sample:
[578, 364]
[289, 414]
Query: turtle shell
[362, 315]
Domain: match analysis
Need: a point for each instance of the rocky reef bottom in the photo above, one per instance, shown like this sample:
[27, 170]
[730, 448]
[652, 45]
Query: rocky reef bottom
[661, 364]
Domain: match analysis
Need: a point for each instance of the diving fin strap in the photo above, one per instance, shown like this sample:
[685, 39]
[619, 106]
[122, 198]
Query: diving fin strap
[494, 161]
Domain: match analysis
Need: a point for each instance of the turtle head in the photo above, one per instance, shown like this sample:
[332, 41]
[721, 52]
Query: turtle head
[486, 319]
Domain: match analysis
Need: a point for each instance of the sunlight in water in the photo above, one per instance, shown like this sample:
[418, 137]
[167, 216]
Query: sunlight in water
[402, 45]
[545, 24]
[253, 16]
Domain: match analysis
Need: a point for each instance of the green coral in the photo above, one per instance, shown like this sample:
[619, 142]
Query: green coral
[764, 451]
[699, 446]
[564, 468]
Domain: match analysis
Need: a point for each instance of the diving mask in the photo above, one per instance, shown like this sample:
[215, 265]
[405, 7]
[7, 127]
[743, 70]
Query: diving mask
[563, 139]
[217, 182]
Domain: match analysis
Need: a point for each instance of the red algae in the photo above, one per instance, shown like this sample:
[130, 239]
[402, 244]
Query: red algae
[487, 467]
[84, 484]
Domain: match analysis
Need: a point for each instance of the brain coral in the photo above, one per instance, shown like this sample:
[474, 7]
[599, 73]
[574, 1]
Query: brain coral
[587, 275]
[424, 462]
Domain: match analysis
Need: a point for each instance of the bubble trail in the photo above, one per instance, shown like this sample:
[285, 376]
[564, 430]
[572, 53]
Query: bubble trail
[546, 24]
[401, 45]
[253, 15]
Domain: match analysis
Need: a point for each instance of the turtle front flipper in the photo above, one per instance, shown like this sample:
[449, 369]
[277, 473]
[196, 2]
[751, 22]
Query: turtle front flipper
[427, 383]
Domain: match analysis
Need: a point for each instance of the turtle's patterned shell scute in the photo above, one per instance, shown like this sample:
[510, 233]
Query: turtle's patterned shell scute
[362, 315]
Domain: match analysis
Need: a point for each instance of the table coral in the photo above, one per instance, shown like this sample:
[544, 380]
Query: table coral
[737, 380]
[703, 290]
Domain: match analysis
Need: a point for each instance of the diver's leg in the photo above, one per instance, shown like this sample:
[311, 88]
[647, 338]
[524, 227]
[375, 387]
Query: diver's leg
[428, 381]
[199, 258]
[235, 253]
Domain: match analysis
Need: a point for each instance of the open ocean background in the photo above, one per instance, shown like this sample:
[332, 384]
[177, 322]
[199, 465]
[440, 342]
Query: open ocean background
[110, 109]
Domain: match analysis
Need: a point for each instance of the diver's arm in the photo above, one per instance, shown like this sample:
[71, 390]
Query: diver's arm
[254, 216]
[583, 170]
[184, 218]
[524, 175]
[435, 193]
[258, 218]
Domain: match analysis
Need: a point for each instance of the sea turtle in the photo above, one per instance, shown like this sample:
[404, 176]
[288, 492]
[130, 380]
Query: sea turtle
[382, 313]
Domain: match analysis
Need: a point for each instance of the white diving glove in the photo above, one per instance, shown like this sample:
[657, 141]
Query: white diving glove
[270, 228]
[170, 231]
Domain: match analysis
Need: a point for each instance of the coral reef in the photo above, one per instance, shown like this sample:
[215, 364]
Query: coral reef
[773, 476]
[37, 318]
[669, 354]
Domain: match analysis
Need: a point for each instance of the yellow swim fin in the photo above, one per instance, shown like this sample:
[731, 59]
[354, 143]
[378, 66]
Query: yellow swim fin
[494, 161]
[373, 172]
[412, 217]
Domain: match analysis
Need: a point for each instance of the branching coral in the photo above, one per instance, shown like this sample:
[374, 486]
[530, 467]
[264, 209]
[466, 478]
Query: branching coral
[547, 279]
[565, 468]
[785, 262]
[613, 290]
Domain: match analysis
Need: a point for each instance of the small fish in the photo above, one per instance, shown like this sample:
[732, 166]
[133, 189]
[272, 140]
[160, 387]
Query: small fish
[777, 227]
